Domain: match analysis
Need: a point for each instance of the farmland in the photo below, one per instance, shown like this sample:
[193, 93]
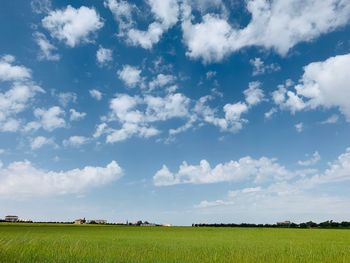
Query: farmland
[96, 243]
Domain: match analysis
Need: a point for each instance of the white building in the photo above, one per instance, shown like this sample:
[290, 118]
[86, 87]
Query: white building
[11, 218]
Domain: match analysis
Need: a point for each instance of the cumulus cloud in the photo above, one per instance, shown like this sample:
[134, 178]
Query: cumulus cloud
[41, 141]
[130, 75]
[76, 141]
[123, 14]
[315, 158]
[10, 72]
[277, 25]
[47, 50]
[48, 119]
[324, 84]
[104, 56]
[126, 110]
[270, 113]
[165, 14]
[23, 179]
[65, 98]
[277, 194]
[14, 101]
[254, 94]
[232, 120]
[76, 115]
[245, 169]
[161, 80]
[73, 26]
[18, 97]
[96, 94]
[141, 115]
[260, 68]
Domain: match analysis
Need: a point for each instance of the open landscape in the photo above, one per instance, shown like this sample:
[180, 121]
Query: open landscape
[181, 131]
[105, 243]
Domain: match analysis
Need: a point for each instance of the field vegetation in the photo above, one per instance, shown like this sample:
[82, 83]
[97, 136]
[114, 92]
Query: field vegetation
[104, 243]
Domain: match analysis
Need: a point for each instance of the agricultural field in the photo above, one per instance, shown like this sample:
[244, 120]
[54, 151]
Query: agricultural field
[91, 243]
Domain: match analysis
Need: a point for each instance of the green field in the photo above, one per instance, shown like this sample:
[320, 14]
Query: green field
[91, 243]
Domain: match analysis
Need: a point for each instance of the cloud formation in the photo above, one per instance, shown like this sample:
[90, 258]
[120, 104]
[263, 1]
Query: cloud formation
[73, 26]
[324, 84]
[22, 180]
[277, 25]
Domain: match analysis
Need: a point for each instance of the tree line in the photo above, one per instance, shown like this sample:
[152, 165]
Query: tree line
[310, 224]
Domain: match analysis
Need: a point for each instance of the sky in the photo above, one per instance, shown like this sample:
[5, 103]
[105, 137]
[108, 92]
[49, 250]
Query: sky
[175, 111]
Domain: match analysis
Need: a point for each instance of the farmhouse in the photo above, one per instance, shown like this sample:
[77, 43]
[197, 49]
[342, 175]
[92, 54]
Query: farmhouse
[11, 218]
[79, 221]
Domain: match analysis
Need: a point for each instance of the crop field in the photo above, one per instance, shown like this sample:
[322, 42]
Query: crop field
[96, 243]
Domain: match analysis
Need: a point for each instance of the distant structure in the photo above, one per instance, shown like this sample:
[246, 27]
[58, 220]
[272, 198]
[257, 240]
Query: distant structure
[94, 221]
[97, 221]
[79, 221]
[284, 223]
[11, 218]
[167, 225]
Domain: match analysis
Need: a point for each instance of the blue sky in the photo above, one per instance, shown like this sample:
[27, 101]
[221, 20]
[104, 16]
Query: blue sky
[175, 111]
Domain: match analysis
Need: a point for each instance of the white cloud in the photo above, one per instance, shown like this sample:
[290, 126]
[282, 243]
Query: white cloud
[22, 179]
[264, 205]
[161, 81]
[245, 169]
[270, 113]
[47, 50]
[50, 119]
[260, 68]
[65, 98]
[232, 120]
[140, 115]
[299, 127]
[137, 115]
[41, 6]
[122, 12]
[96, 94]
[331, 120]
[75, 141]
[76, 116]
[18, 97]
[73, 26]
[254, 94]
[104, 56]
[40, 141]
[199, 45]
[338, 171]
[274, 197]
[10, 72]
[168, 107]
[315, 158]
[10, 125]
[100, 129]
[277, 25]
[323, 84]
[130, 75]
[165, 13]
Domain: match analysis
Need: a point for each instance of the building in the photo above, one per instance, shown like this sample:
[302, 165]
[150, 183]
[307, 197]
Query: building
[79, 221]
[11, 218]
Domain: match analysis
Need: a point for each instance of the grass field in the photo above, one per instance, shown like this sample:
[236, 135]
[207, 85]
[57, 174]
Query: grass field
[91, 243]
